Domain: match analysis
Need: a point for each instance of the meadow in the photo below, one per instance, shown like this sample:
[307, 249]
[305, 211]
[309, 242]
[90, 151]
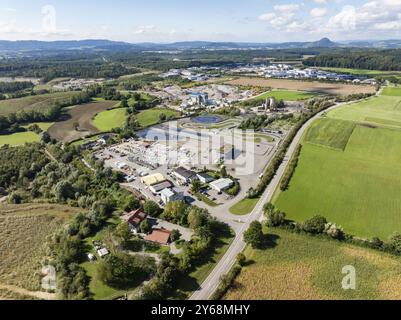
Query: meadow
[301, 267]
[286, 95]
[107, 120]
[20, 138]
[24, 230]
[384, 110]
[151, 117]
[39, 103]
[353, 179]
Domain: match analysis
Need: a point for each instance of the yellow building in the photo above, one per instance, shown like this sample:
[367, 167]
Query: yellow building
[153, 179]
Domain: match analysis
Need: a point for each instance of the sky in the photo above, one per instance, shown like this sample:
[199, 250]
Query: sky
[208, 20]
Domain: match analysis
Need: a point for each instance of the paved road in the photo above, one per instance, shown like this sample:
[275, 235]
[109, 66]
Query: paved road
[210, 285]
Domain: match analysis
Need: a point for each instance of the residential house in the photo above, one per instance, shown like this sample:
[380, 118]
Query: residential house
[159, 236]
[134, 219]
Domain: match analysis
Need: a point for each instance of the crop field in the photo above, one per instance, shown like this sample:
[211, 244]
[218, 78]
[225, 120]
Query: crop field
[151, 117]
[65, 131]
[310, 86]
[107, 120]
[330, 133]
[286, 95]
[39, 103]
[300, 267]
[383, 110]
[23, 234]
[357, 187]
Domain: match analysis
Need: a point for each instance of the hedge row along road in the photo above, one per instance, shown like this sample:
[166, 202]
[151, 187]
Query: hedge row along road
[211, 283]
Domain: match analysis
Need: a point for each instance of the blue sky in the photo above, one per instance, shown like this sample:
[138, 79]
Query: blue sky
[214, 20]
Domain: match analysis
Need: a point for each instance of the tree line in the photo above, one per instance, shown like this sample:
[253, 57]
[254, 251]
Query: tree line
[386, 60]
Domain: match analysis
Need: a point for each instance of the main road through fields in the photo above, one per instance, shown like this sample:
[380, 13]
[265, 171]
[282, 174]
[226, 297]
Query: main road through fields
[211, 283]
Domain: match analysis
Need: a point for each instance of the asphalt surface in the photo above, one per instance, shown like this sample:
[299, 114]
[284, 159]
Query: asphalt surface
[211, 283]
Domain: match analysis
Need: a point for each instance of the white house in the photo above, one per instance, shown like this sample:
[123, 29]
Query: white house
[171, 195]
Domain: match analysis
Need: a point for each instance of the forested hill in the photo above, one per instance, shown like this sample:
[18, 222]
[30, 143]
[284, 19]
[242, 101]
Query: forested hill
[386, 60]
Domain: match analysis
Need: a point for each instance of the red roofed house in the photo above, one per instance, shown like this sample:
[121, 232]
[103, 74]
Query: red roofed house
[160, 236]
[134, 219]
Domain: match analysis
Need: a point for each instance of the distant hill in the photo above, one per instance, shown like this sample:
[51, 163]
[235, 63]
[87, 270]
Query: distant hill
[108, 45]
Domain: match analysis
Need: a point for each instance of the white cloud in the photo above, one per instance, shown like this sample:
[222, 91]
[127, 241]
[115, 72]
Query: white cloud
[145, 29]
[267, 16]
[391, 25]
[318, 12]
[287, 8]
[345, 20]
[320, 1]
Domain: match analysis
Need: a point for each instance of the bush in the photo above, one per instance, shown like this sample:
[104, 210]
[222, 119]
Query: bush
[241, 259]
[151, 208]
[316, 225]
[226, 282]
[275, 218]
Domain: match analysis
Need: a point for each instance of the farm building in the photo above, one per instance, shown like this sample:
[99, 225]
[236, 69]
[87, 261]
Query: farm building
[222, 184]
[153, 179]
[160, 236]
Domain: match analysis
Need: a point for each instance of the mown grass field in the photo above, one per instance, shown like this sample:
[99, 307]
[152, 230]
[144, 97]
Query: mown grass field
[151, 117]
[286, 95]
[24, 230]
[98, 289]
[329, 133]
[299, 267]
[20, 138]
[392, 91]
[107, 120]
[383, 110]
[39, 103]
[244, 207]
[356, 186]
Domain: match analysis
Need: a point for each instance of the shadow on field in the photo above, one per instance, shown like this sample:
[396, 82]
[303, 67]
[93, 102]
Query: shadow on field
[269, 241]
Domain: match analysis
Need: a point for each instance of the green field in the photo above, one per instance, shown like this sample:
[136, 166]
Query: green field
[329, 133]
[98, 289]
[21, 138]
[244, 207]
[151, 117]
[357, 188]
[39, 103]
[383, 110]
[300, 267]
[392, 91]
[286, 95]
[108, 120]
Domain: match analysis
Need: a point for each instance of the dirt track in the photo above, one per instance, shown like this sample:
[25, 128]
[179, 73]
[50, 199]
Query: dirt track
[64, 130]
[312, 86]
